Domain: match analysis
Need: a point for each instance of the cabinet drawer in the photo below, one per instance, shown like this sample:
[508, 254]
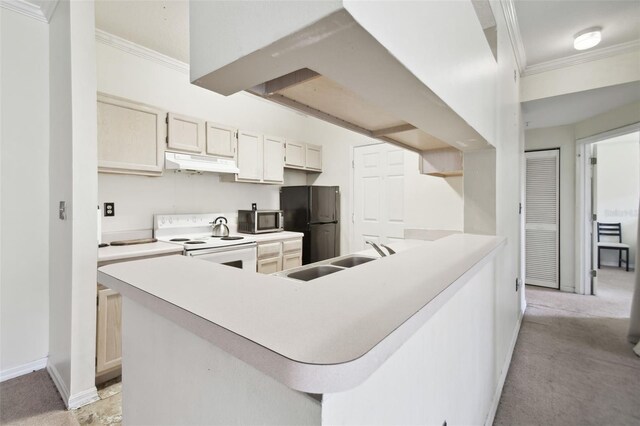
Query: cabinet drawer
[269, 250]
[292, 245]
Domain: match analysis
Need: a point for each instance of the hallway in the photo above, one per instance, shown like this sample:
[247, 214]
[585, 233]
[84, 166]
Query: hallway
[572, 364]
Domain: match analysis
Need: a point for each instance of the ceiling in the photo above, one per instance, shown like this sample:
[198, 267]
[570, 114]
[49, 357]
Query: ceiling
[548, 27]
[160, 25]
[574, 107]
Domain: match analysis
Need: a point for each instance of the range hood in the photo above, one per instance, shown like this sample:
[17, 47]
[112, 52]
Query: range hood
[199, 163]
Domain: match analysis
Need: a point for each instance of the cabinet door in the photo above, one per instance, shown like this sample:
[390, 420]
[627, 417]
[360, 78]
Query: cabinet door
[269, 266]
[313, 158]
[249, 156]
[185, 133]
[291, 260]
[131, 137]
[109, 331]
[273, 160]
[295, 153]
[221, 140]
[269, 250]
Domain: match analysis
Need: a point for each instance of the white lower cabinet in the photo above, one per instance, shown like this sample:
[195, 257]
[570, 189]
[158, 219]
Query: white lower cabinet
[108, 331]
[291, 260]
[276, 256]
[269, 266]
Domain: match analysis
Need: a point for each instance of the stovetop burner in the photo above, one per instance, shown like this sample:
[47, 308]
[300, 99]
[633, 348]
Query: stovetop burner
[179, 240]
[194, 242]
[231, 238]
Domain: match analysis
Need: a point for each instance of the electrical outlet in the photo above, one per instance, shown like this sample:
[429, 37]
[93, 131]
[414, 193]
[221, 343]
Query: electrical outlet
[109, 209]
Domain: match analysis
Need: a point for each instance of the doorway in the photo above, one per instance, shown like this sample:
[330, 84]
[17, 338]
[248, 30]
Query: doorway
[607, 197]
[542, 218]
[378, 196]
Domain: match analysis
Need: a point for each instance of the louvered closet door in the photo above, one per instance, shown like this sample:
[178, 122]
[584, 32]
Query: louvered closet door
[542, 219]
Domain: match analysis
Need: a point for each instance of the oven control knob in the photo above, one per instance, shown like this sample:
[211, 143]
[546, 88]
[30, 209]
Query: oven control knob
[170, 220]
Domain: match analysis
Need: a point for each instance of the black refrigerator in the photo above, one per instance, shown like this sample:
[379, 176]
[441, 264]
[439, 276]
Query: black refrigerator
[315, 211]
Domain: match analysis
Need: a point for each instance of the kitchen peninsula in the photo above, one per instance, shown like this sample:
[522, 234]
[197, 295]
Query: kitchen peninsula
[208, 344]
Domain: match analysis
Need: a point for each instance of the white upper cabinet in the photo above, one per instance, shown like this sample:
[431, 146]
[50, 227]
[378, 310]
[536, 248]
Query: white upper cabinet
[295, 154]
[131, 137]
[249, 156]
[221, 140]
[273, 160]
[313, 157]
[303, 156]
[185, 133]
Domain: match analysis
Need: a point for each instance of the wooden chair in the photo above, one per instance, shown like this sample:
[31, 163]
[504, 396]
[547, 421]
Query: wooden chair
[612, 230]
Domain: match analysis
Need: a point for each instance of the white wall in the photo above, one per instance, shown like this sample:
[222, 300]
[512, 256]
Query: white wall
[459, 66]
[432, 202]
[618, 181]
[562, 137]
[73, 178]
[614, 119]
[137, 198]
[509, 143]
[588, 75]
[24, 268]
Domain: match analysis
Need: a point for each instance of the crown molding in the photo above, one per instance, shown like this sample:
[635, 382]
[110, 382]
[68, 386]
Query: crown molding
[41, 10]
[140, 51]
[581, 58]
[509, 11]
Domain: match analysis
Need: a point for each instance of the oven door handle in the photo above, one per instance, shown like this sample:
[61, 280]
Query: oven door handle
[220, 249]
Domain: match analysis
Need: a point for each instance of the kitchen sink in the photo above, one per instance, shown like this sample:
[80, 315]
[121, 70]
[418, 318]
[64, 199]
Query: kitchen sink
[313, 272]
[351, 261]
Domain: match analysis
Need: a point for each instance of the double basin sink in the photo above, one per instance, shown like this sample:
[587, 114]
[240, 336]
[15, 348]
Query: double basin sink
[332, 266]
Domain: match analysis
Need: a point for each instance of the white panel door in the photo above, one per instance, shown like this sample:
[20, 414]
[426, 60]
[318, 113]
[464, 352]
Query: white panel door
[542, 197]
[249, 156]
[378, 194]
[273, 165]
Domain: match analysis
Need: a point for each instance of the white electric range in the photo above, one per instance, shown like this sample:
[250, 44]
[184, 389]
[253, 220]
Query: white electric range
[193, 232]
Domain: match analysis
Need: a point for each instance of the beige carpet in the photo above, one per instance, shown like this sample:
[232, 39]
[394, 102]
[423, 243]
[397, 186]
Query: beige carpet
[572, 364]
[33, 399]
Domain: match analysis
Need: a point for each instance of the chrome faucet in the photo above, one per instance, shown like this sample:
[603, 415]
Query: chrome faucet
[389, 249]
[375, 246]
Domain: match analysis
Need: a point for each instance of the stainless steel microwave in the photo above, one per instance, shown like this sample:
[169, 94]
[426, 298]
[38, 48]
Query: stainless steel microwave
[260, 221]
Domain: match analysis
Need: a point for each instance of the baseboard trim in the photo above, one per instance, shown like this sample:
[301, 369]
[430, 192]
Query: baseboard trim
[72, 401]
[83, 398]
[23, 369]
[503, 374]
[60, 385]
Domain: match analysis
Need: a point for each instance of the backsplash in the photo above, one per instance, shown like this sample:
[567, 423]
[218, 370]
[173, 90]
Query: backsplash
[138, 198]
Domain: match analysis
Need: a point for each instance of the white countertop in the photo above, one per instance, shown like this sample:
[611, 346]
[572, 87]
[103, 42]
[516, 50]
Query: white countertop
[324, 335]
[274, 236]
[111, 253]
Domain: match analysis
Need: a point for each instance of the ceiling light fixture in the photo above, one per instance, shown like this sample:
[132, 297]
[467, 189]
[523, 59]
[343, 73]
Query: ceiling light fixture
[587, 39]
